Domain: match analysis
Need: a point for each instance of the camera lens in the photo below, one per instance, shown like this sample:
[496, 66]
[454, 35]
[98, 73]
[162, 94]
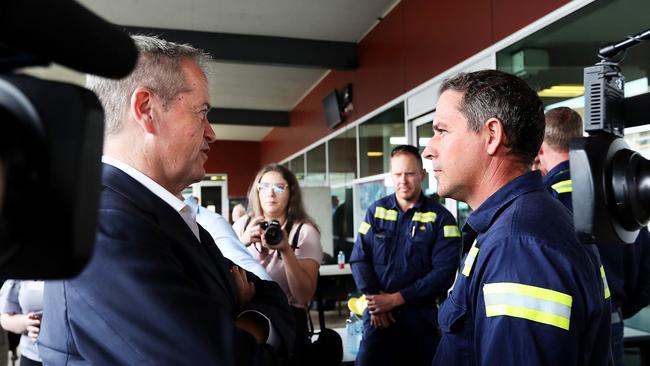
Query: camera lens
[272, 232]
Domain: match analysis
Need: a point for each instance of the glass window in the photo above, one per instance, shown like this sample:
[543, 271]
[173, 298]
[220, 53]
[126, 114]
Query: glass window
[298, 167]
[316, 175]
[342, 154]
[423, 133]
[377, 137]
[368, 193]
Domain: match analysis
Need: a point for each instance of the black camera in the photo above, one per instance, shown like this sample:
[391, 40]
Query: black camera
[272, 232]
[611, 182]
[51, 145]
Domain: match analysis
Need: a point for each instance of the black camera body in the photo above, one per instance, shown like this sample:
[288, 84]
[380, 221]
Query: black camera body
[272, 232]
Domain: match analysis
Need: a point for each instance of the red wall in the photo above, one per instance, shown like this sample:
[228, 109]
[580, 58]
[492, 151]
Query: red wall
[239, 159]
[418, 40]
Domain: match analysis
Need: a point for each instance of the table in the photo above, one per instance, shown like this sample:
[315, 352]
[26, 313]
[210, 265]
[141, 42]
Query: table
[334, 270]
[327, 273]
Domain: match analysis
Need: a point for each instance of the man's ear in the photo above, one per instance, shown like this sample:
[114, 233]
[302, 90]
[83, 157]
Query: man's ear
[495, 135]
[142, 108]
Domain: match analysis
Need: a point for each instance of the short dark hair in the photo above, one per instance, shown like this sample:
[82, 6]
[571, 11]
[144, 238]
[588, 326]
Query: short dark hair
[408, 149]
[563, 124]
[496, 94]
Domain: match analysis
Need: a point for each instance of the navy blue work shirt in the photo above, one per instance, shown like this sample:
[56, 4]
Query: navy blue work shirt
[415, 252]
[528, 293]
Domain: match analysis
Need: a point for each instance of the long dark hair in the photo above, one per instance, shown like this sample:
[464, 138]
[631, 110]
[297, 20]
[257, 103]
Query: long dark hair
[295, 208]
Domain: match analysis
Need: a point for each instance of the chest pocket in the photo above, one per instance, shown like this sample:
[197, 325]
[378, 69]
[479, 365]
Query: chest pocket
[383, 244]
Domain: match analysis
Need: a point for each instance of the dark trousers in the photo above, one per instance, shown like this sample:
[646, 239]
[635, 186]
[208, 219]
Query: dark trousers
[24, 361]
[411, 340]
[301, 349]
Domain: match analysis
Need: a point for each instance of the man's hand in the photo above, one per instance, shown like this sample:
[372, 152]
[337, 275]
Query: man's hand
[382, 320]
[245, 289]
[33, 325]
[383, 303]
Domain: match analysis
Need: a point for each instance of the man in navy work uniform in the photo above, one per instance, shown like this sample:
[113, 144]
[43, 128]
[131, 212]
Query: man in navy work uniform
[405, 255]
[621, 262]
[528, 293]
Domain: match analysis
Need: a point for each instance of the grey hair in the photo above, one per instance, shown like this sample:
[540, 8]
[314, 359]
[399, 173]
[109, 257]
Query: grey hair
[159, 68]
[496, 94]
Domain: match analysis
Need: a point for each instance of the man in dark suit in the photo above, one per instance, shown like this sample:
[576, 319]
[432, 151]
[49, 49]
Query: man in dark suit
[158, 290]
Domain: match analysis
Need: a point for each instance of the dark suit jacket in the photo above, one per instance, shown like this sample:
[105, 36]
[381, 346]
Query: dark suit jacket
[152, 294]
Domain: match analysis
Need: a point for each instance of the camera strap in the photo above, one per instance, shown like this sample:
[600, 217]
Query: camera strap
[294, 242]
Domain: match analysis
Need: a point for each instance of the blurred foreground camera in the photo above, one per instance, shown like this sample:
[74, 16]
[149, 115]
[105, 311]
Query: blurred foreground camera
[272, 232]
[611, 182]
[51, 144]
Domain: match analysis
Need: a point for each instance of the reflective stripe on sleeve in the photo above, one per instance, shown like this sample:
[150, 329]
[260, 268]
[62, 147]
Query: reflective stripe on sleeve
[425, 216]
[364, 227]
[605, 284]
[451, 231]
[528, 302]
[564, 186]
[384, 214]
[469, 260]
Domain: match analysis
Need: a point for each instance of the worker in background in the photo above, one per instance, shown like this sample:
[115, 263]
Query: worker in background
[405, 256]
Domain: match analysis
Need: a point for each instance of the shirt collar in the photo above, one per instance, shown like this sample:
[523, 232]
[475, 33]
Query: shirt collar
[480, 220]
[558, 169]
[151, 185]
[393, 202]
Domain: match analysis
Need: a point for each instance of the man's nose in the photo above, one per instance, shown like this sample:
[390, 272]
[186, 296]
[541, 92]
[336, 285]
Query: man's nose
[208, 132]
[429, 151]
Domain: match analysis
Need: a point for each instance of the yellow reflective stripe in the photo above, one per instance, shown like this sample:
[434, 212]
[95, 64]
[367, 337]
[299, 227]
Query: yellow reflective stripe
[528, 302]
[605, 284]
[364, 227]
[425, 216]
[530, 314]
[451, 231]
[528, 290]
[384, 214]
[469, 260]
[564, 186]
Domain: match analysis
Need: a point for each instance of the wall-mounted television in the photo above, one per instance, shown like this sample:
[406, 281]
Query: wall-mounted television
[332, 109]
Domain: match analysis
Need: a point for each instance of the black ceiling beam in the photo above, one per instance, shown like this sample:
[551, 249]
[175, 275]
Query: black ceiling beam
[248, 117]
[242, 48]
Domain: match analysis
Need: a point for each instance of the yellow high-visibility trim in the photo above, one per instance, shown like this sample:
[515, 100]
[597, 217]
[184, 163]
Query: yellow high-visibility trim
[534, 291]
[425, 216]
[605, 284]
[469, 260]
[526, 313]
[364, 227]
[564, 186]
[384, 214]
[451, 231]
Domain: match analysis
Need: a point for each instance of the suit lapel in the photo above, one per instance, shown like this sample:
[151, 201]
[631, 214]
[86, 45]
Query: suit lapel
[172, 224]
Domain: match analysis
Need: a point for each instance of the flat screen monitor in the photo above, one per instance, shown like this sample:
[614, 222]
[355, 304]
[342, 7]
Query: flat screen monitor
[332, 109]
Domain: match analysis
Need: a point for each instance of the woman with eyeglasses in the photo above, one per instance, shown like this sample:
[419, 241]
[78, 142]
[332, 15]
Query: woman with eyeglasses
[294, 261]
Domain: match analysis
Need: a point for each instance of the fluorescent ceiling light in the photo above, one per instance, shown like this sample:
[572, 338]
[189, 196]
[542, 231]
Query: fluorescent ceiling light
[397, 140]
[564, 90]
[374, 154]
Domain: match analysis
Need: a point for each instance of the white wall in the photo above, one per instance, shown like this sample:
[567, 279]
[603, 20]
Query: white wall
[318, 203]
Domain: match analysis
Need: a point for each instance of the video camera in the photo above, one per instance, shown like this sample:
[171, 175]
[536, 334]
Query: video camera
[611, 182]
[51, 144]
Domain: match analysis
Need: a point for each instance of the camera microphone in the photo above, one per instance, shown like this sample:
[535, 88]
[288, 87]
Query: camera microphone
[67, 33]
